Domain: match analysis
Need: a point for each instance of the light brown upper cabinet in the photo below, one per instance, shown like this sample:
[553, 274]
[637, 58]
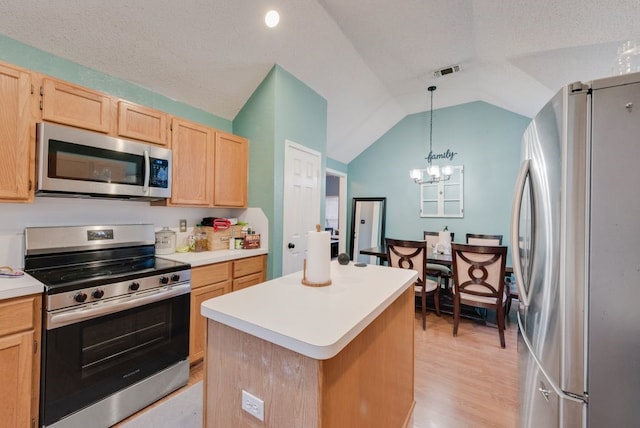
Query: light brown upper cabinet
[74, 105]
[142, 123]
[231, 158]
[209, 166]
[17, 136]
[192, 163]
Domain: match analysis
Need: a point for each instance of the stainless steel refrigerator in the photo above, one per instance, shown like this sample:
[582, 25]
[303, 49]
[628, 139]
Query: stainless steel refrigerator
[576, 234]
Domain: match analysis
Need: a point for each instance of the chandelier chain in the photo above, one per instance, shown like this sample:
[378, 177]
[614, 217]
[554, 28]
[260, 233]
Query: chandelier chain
[430, 89]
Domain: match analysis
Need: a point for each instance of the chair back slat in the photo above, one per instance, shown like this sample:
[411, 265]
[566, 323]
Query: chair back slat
[480, 239]
[479, 269]
[407, 255]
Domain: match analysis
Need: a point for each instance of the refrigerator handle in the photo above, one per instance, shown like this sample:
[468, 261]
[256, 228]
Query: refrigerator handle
[515, 231]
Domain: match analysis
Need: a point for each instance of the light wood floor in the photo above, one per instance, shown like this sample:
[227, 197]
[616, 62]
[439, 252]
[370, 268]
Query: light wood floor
[463, 381]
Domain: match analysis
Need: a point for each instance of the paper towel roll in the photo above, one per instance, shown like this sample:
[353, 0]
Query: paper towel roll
[318, 257]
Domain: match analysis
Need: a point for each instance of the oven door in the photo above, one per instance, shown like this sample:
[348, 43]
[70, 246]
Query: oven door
[87, 163]
[87, 361]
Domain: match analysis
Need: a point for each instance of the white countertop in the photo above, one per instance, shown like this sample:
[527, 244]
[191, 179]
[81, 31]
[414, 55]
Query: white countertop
[314, 321]
[19, 286]
[209, 257]
[26, 284]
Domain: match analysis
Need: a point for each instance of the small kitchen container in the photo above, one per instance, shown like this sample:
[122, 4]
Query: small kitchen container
[165, 241]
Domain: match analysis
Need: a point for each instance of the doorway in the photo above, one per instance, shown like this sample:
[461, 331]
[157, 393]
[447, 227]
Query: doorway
[336, 207]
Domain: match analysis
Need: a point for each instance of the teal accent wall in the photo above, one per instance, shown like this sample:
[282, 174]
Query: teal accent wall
[282, 108]
[337, 165]
[487, 140]
[17, 53]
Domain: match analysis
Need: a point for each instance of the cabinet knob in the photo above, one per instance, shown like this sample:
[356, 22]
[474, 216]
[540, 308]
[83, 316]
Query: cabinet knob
[291, 245]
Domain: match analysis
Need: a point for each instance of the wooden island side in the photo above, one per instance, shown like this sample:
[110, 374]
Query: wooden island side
[341, 355]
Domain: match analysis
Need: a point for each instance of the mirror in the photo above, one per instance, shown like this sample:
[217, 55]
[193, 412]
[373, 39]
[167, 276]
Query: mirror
[367, 227]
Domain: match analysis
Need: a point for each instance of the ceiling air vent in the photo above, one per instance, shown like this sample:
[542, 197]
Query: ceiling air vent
[447, 70]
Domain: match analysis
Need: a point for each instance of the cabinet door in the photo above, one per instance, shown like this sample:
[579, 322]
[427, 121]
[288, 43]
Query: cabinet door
[16, 145]
[198, 324]
[231, 159]
[192, 163]
[16, 372]
[75, 106]
[142, 123]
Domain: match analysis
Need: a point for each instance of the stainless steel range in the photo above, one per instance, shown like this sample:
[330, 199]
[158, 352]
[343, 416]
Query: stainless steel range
[115, 322]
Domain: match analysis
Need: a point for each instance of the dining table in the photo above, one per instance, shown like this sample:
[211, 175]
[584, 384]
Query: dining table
[432, 256]
[380, 252]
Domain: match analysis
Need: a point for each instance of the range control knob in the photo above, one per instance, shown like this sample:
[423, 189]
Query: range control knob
[97, 293]
[134, 286]
[80, 297]
[175, 277]
[164, 280]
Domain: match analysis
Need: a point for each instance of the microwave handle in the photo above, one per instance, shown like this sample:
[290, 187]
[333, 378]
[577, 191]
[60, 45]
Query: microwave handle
[147, 172]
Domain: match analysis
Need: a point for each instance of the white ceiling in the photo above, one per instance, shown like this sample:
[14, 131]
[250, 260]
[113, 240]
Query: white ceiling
[371, 59]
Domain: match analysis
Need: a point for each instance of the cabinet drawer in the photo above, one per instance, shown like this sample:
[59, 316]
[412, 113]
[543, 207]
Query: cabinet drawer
[247, 281]
[17, 315]
[249, 265]
[209, 274]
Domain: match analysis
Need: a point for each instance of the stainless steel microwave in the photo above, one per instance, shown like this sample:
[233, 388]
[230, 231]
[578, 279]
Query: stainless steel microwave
[78, 163]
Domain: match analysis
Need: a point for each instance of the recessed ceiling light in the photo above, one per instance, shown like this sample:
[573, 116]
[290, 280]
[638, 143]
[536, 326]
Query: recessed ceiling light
[272, 18]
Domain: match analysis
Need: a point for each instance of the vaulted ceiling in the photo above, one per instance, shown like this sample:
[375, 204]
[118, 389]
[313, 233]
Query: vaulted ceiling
[371, 59]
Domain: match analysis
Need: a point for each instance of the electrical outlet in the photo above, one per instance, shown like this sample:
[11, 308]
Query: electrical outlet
[252, 405]
[183, 225]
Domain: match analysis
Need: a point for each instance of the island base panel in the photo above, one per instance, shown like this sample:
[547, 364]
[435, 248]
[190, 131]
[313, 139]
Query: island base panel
[368, 384]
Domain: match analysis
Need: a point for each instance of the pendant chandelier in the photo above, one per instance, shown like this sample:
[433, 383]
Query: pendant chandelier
[434, 173]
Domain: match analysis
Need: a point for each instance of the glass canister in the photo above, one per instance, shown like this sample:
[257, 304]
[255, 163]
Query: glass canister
[200, 240]
[165, 241]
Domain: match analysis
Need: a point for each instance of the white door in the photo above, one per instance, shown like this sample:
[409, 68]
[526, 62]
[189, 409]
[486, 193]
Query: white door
[301, 203]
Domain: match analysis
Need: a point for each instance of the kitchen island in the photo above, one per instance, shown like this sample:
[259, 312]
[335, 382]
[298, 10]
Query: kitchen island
[340, 355]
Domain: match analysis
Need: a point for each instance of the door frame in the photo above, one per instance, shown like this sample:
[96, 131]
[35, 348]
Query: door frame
[342, 211]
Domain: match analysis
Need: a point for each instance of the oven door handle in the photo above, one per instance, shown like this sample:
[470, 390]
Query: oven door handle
[68, 316]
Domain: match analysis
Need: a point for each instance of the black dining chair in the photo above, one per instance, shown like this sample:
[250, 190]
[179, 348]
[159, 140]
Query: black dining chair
[478, 280]
[480, 239]
[433, 269]
[413, 255]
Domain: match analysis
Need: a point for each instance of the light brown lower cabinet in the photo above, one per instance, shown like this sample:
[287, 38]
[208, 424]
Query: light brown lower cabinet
[198, 324]
[213, 280]
[19, 360]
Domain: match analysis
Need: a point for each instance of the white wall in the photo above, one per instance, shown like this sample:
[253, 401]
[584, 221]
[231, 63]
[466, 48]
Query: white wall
[45, 211]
